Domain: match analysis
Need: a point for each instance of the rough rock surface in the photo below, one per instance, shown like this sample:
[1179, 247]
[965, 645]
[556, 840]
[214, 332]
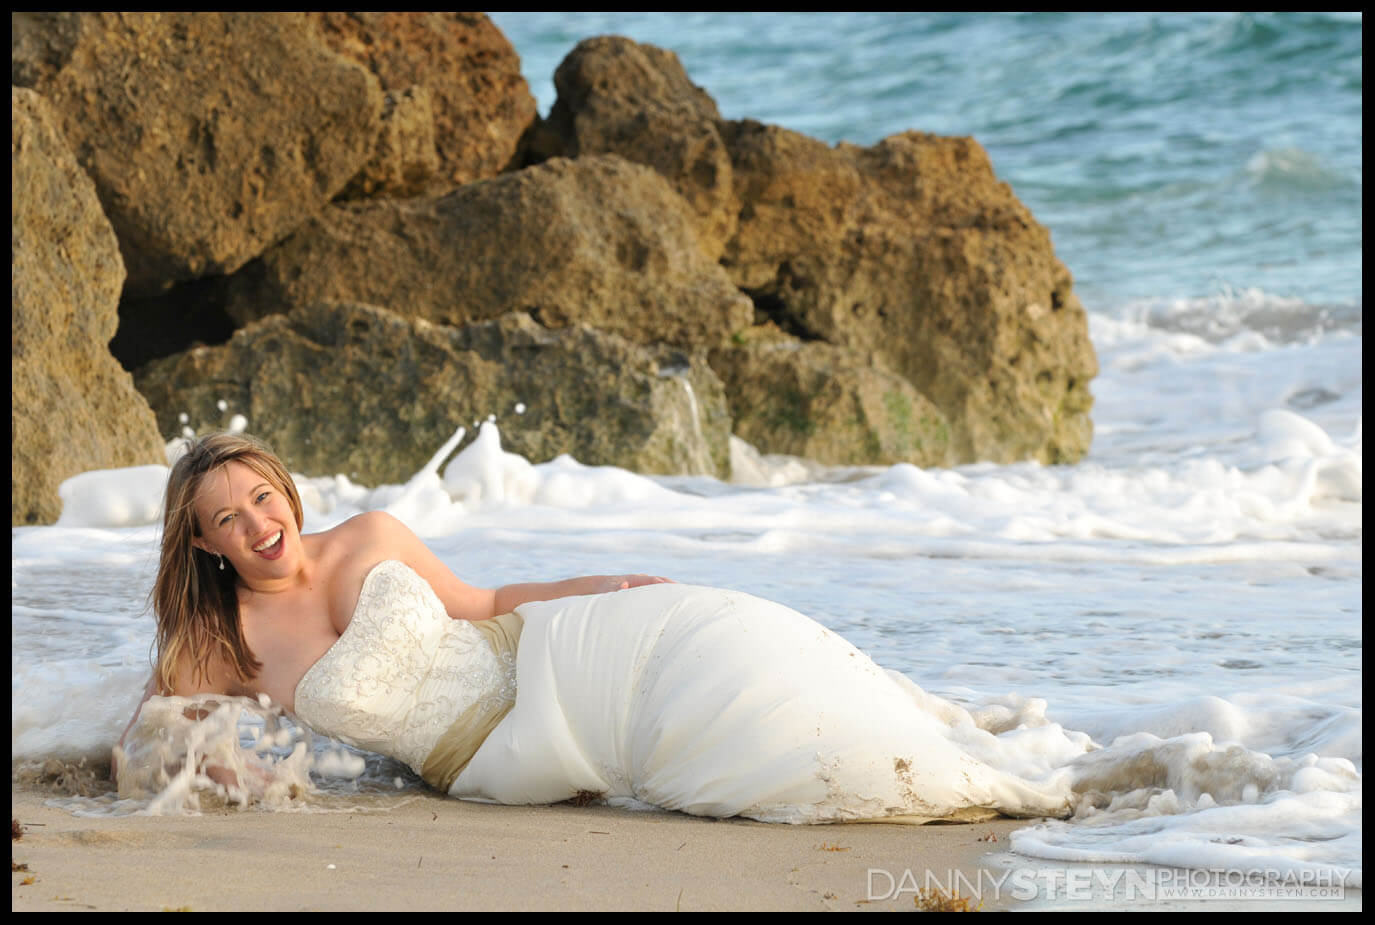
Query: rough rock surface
[257, 166]
[616, 96]
[481, 105]
[833, 405]
[209, 135]
[404, 161]
[914, 247]
[911, 247]
[597, 241]
[72, 407]
[345, 387]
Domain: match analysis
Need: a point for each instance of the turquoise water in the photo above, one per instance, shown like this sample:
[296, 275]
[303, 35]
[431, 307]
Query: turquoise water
[1172, 155]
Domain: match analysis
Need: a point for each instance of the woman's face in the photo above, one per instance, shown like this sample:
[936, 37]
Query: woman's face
[246, 518]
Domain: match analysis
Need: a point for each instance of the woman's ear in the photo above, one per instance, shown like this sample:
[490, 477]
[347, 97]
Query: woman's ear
[202, 544]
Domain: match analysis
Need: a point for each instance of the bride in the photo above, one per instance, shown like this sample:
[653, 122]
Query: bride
[631, 687]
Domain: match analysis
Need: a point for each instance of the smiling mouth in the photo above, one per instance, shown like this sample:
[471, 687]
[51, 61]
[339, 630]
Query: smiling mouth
[271, 546]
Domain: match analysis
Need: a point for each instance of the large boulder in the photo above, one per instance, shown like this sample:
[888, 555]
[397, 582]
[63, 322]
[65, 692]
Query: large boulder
[604, 400]
[911, 248]
[833, 405]
[616, 96]
[72, 407]
[596, 241]
[479, 105]
[914, 248]
[351, 388]
[209, 135]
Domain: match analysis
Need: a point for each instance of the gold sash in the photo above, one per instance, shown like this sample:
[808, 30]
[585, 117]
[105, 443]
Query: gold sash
[457, 746]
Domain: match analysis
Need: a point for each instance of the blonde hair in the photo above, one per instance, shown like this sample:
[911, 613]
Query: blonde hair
[195, 600]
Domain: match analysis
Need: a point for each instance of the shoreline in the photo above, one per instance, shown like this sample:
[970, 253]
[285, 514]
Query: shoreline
[434, 853]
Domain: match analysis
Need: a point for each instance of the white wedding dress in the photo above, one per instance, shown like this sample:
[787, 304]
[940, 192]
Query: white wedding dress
[695, 699]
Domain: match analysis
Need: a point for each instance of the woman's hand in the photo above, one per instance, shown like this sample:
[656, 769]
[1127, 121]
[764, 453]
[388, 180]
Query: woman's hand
[623, 582]
[254, 780]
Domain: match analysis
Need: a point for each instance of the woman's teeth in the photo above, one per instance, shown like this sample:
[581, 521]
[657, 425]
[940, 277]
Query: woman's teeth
[268, 543]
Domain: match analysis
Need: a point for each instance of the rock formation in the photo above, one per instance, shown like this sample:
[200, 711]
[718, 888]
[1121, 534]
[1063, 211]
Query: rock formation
[354, 229]
[72, 407]
[619, 97]
[914, 247]
[828, 404]
[209, 136]
[911, 247]
[479, 106]
[596, 240]
[358, 390]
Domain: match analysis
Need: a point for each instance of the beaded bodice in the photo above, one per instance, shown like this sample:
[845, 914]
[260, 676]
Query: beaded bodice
[402, 671]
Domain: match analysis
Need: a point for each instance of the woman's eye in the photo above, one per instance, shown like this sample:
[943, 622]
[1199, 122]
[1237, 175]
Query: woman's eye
[225, 519]
[264, 495]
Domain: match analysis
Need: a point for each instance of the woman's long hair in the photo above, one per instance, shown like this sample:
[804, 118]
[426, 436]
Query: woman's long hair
[197, 602]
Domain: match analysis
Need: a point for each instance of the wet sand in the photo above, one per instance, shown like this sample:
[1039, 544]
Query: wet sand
[433, 853]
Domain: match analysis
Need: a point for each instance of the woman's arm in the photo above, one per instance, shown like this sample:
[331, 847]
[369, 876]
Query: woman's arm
[181, 688]
[466, 602]
[509, 597]
[115, 752]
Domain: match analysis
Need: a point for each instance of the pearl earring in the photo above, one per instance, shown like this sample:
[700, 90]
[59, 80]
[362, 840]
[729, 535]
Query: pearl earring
[221, 563]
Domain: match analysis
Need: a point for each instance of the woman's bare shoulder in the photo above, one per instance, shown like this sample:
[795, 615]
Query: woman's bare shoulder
[350, 537]
[375, 522]
[365, 525]
[348, 551]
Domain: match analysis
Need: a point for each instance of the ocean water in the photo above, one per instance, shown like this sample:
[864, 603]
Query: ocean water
[1170, 154]
[1187, 599]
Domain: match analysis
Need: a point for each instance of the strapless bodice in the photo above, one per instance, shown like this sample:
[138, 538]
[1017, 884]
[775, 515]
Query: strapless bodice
[402, 671]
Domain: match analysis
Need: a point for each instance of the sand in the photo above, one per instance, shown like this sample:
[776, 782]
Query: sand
[434, 853]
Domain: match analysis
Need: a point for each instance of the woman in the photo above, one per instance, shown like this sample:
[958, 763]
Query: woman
[630, 686]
